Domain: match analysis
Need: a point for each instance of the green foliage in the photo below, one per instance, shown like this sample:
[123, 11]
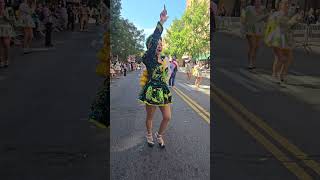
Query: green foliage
[126, 39]
[190, 35]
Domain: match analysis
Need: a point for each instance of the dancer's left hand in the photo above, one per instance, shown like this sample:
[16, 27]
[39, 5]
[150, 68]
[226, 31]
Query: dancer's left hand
[163, 15]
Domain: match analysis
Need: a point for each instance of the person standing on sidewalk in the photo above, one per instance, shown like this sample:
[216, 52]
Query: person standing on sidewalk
[48, 25]
[64, 17]
[71, 17]
[118, 68]
[188, 67]
[124, 67]
[95, 15]
[174, 70]
[6, 33]
[197, 72]
[27, 23]
[155, 91]
[279, 37]
[104, 12]
[84, 17]
[253, 25]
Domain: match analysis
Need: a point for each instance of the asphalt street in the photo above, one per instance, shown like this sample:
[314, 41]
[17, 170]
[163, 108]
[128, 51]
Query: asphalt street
[187, 151]
[45, 100]
[270, 132]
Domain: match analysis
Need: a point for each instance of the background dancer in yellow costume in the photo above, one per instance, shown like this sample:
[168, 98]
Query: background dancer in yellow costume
[252, 19]
[6, 33]
[280, 38]
[155, 92]
[99, 109]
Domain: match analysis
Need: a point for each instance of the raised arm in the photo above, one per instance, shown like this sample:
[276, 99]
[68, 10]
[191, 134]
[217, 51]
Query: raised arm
[155, 37]
[152, 46]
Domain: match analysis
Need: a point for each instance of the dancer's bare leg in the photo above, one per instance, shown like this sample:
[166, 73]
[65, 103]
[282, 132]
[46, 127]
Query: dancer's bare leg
[150, 113]
[166, 116]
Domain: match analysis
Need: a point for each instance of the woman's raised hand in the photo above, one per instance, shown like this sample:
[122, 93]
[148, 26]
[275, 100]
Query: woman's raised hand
[163, 15]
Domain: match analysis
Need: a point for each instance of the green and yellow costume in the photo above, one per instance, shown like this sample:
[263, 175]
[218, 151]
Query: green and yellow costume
[100, 107]
[155, 90]
[279, 30]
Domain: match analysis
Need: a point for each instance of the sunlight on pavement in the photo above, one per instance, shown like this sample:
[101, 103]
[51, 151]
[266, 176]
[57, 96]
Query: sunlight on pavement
[127, 142]
[203, 88]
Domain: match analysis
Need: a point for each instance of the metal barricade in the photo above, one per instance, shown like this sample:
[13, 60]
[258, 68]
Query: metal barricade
[314, 35]
[300, 36]
[306, 36]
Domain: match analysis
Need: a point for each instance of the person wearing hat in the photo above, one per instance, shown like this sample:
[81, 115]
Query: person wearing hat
[155, 91]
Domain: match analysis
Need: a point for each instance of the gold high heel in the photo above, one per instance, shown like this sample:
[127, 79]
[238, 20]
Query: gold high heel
[160, 140]
[150, 140]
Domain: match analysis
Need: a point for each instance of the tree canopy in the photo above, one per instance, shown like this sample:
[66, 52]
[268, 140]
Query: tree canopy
[190, 35]
[126, 39]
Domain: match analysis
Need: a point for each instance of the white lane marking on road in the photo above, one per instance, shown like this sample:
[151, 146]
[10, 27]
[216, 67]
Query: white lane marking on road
[184, 86]
[203, 88]
[257, 77]
[239, 80]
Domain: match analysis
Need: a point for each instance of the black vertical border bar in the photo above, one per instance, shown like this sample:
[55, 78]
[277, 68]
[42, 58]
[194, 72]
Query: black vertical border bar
[212, 121]
[107, 2]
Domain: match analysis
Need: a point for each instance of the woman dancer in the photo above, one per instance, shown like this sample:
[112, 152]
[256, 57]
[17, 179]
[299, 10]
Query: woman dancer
[27, 23]
[252, 21]
[188, 68]
[6, 32]
[197, 72]
[279, 38]
[155, 92]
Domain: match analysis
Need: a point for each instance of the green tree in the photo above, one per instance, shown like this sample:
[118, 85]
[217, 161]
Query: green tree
[125, 38]
[191, 34]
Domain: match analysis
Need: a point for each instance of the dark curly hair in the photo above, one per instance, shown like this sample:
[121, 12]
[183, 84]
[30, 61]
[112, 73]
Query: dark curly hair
[149, 39]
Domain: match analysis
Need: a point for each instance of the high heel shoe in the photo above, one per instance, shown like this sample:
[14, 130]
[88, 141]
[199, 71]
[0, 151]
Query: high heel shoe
[160, 140]
[150, 140]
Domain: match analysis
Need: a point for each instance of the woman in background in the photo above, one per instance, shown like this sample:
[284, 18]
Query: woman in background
[253, 25]
[27, 23]
[279, 37]
[6, 33]
[197, 72]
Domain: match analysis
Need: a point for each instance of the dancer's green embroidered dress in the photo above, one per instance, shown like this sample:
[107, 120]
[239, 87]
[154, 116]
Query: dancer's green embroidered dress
[156, 91]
